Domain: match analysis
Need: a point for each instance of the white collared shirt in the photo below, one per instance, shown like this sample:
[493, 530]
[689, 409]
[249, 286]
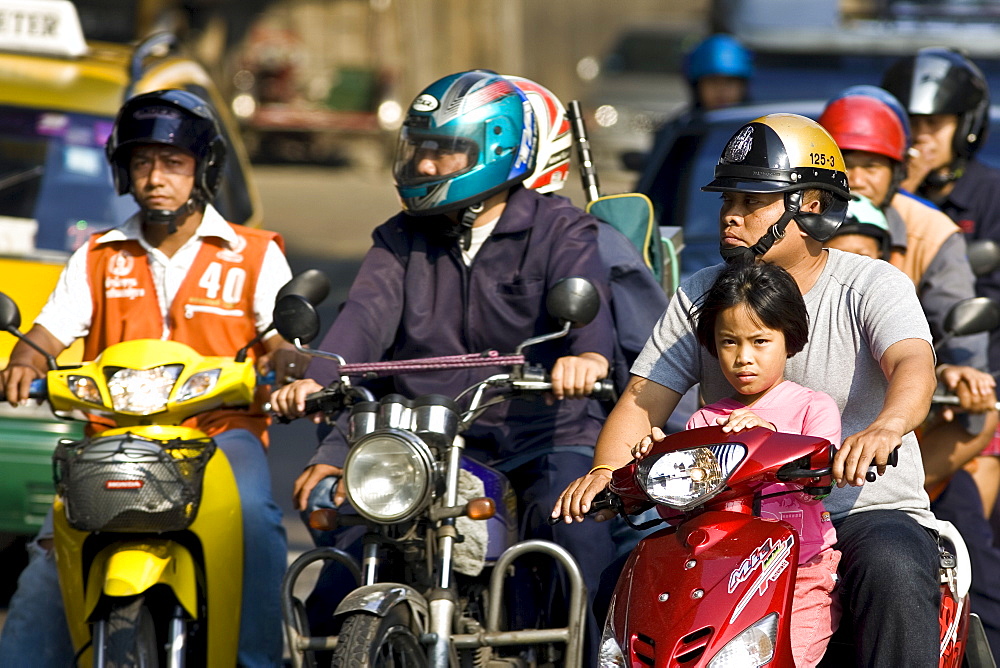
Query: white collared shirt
[68, 313]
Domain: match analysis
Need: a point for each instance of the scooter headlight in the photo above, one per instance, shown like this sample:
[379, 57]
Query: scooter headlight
[142, 391]
[388, 475]
[684, 479]
[752, 648]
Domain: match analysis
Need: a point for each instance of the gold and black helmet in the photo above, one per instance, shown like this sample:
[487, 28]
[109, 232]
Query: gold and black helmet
[786, 153]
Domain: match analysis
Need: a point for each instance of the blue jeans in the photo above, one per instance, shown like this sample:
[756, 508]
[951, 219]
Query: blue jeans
[889, 592]
[36, 634]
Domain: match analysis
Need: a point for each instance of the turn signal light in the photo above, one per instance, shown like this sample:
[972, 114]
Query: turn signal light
[482, 508]
[324, 519]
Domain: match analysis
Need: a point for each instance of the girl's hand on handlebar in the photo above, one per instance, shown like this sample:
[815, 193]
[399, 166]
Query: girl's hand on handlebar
[575, 500]
[573, 377]
[290, 400]
[743, 418]
[642, 448]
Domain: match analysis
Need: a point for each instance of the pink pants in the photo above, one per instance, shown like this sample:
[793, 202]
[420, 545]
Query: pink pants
[815, 608]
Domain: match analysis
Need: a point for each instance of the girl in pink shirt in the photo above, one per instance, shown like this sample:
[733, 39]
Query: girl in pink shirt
[753, 319]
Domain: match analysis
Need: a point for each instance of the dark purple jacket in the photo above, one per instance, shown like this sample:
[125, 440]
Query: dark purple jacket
[414, 297]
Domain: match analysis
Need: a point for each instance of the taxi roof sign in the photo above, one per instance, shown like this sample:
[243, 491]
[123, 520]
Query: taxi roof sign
[41, 26]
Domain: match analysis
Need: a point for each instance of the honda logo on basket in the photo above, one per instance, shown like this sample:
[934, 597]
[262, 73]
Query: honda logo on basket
[124, 484]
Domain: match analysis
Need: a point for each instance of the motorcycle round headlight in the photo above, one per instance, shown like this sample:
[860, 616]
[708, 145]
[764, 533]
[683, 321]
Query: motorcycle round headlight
[684, 479]
[388, 476]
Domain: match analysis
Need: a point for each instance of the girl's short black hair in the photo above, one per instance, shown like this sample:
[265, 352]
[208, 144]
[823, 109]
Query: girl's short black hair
[768, 291]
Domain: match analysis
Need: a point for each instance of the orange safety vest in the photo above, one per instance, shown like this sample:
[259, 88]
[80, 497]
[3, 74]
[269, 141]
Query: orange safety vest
[212, 311]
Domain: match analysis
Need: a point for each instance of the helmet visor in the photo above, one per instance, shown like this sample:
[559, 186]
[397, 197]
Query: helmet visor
[425, 158]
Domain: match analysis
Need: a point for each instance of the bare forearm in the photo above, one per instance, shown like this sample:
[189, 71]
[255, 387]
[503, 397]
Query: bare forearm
[643, 405]
[911, 386]
[25, 355]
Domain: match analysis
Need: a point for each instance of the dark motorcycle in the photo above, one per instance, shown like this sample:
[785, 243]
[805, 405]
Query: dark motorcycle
[448, 520]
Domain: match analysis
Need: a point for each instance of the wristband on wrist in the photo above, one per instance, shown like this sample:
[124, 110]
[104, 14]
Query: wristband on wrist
[601, 466]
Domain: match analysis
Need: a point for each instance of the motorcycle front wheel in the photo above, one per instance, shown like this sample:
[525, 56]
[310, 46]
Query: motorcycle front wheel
[127, 636]
[369, 641]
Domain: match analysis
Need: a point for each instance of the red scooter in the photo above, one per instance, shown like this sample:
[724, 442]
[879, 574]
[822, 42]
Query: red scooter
[715, 587]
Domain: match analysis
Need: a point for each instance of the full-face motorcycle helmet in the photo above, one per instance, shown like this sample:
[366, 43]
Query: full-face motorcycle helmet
[861, 123]
[943, 81]
[479, 115]
[175, 117]
[555, 137]
[784, 153]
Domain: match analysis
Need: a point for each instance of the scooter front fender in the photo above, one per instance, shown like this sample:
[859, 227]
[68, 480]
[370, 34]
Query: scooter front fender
[686, 592]
[129, 568]
[378, 599]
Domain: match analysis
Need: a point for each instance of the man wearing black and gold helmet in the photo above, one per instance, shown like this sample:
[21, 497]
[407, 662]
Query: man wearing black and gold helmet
[784, 191]
[803, 179]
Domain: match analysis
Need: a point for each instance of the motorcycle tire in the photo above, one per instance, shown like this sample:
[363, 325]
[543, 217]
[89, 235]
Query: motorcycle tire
[369, 641]
[130, 640]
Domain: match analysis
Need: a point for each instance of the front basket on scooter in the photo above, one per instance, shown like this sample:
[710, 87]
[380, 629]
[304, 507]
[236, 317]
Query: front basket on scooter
[131, 484]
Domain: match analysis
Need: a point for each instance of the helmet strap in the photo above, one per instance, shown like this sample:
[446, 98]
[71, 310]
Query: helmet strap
[168, 217]
[467, 220]
[793, 201]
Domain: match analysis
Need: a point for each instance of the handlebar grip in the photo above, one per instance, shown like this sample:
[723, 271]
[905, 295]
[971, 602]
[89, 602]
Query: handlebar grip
[37, 390]
[604, 390]
[892, 460]
[321, 401]
[952, 400]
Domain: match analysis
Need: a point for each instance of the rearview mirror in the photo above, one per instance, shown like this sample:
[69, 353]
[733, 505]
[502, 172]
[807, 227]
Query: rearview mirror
[574, 300]
[296, 318]
[984, 256]
[10, 315]
[972, 316]
[312, 284]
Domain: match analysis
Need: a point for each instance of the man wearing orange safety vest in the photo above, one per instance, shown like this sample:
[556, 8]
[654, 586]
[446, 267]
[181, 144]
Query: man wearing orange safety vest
[175, 270]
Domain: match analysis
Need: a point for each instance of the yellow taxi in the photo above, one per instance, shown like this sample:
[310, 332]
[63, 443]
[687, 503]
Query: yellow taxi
[59, 95]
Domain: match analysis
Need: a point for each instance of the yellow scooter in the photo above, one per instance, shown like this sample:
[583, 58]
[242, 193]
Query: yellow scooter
[148, 529]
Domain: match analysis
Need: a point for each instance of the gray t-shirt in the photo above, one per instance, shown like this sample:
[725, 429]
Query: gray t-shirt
[857, 309]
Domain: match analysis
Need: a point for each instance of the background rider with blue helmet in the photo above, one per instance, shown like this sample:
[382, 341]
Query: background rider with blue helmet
[718, 70]
[466, 267]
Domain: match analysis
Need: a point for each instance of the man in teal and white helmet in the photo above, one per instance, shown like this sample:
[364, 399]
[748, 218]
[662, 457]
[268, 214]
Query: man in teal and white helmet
[467, 139]
[464, 268]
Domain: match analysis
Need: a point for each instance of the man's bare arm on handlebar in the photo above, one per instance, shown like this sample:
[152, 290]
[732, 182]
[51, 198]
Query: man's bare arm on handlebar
[642, 405]
[909, 367]
[26, 364]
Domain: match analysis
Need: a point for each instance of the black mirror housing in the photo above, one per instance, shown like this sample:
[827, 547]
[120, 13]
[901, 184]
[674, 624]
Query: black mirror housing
[573, 300]
[296, 318]
[972, 316]
[10, 315]
[311, 284]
